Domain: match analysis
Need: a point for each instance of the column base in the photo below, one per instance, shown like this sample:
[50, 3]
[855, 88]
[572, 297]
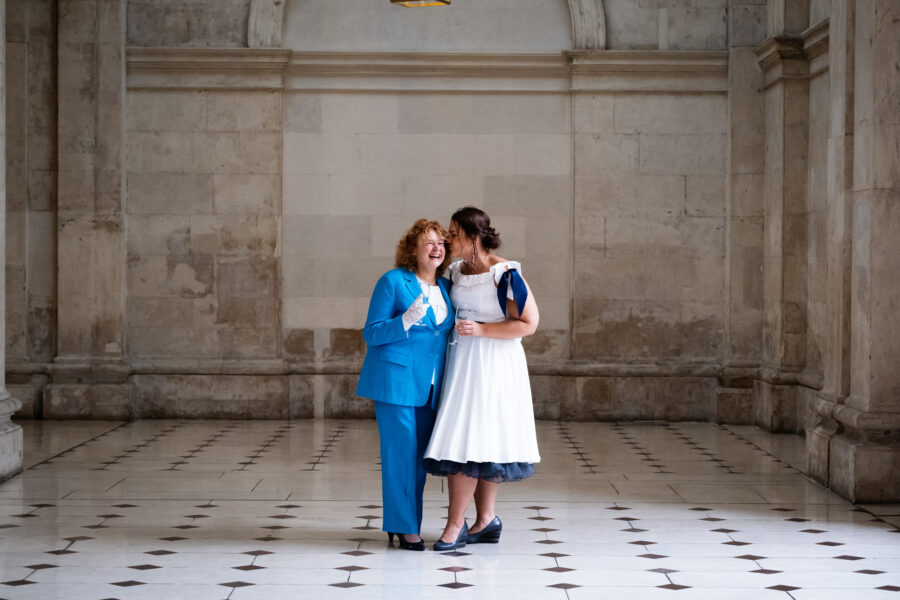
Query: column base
[775, 407]
[10, 437]
[864, 471]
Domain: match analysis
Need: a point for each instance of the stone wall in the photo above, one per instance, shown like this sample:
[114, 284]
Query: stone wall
[203, 194]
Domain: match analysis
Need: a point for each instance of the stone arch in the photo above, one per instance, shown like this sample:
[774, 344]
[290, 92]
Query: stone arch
[588, 24]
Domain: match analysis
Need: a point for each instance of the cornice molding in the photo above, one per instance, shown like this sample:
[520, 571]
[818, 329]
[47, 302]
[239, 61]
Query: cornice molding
[648, 71]
[577, 70]
[206, 67]
[816, 40]
[408, 71]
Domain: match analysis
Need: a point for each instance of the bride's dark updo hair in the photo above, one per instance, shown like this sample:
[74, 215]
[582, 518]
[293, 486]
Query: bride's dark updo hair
[475, 223]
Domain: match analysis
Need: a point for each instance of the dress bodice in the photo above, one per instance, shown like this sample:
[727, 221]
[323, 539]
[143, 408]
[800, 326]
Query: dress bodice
[476, 294]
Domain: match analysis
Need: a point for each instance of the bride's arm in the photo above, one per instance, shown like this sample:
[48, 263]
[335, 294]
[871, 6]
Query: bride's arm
[515, 325]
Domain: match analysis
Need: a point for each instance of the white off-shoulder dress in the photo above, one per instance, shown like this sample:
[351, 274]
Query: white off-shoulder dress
[485, 421]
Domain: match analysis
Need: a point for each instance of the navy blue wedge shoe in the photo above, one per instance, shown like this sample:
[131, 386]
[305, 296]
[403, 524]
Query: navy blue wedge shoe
[489, 535]
[460, 542]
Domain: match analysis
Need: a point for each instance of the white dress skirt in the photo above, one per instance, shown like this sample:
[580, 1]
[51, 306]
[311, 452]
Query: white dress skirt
[485, 421]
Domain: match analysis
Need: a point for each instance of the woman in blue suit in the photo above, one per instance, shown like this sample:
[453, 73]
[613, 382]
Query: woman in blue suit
[406, 333]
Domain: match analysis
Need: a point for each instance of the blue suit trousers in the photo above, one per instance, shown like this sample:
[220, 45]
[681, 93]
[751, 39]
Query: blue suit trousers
[404, 432]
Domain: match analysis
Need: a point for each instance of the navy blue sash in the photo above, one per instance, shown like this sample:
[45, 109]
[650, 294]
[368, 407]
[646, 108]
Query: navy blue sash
[520, 291]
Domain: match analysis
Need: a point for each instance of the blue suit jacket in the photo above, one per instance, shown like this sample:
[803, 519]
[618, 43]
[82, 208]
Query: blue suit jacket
[399, 364]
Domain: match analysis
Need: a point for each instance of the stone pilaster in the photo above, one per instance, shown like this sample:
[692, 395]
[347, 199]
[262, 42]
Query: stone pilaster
[744, 209]
[836, 354]
[784, 251]
[865, 455]
[89, 373]
[10, 433]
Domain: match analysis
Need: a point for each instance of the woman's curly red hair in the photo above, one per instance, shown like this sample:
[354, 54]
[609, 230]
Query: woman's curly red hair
[406, 248]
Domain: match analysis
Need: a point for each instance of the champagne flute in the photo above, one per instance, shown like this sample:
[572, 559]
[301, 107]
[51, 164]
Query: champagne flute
[464, 312]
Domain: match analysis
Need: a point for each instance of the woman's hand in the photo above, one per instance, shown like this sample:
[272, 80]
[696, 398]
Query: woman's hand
[415, 312]
[473, 328]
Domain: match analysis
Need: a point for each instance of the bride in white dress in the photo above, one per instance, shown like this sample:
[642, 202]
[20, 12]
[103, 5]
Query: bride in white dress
[484, 433]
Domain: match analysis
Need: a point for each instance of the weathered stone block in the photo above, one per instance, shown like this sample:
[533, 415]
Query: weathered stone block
[246, 194]
[698, 28]
[547, 343]
[775, 407]
[474, 114]
[705, 196]
[682, 154]
[170, 193]
[243, 111]
[631, 26]
[211, 396]
[97, 401]
[549, 393]
[594, 113]
[341, 401]
[323, 235]
[629, 329]
[260, 152]
[210, 152]
[166, 313]
[158, 234]
[670, 114]
[642, 398]
[345, 344]
[734, 406]
[302, 394]
[605, 154]
[748, 25]
[235, 235]
[309, 312]
[11, 445]
[247, 278]
[170, 152]
[299, 344]
[163, 110]
[626, 195]
[863, 471]
[526, 195]
[31, 399]
[303, 113]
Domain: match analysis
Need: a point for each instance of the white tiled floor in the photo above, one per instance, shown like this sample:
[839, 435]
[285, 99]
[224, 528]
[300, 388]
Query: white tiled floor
[278, 510]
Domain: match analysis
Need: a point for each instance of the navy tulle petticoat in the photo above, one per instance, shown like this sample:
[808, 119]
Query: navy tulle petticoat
[490, 471]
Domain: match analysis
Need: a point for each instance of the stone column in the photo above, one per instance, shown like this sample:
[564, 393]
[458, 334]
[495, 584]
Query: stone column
[89, 374]
[784, 249]
[865, 455]
[10, 433]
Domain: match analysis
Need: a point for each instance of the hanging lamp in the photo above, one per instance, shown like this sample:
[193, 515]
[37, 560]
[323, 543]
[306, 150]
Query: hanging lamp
[421, 2]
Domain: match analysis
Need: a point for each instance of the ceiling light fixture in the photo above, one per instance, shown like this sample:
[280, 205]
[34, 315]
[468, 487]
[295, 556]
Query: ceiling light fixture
[421, 2]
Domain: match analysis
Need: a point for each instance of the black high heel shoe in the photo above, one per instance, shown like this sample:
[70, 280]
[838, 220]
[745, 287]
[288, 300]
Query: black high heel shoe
[489, 535]
[460, 542]
[405, 545]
